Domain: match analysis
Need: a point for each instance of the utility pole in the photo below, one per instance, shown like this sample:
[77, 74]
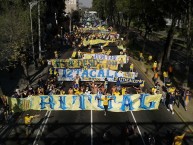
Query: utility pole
[32, 4]
[39, 32]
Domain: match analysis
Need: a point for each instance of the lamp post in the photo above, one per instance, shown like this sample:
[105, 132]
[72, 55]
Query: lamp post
[32, 4]
[61, 31]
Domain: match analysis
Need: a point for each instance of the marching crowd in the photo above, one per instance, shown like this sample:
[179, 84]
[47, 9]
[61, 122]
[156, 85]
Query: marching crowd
[51, 86]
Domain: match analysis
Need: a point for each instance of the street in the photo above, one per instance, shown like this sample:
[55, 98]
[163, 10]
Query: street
[89, 127]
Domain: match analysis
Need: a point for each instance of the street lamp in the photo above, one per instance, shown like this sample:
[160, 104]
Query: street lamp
[32, 4]
[61, 31]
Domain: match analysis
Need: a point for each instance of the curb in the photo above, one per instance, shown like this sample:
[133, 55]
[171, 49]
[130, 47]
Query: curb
[178, 114]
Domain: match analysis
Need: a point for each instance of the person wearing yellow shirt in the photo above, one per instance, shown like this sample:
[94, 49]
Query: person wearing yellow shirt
[116, 93]
[154, 66]
[140, 56]
[123, 90]
[27, 121]
[105, 103]
[142, 85]
[92, 51]
[62, 92]
[150, 58]
[76, 91]
[98, 66]
[131, 67]
[165, 76]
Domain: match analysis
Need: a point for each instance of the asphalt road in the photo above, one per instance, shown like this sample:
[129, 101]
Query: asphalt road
[88, 127]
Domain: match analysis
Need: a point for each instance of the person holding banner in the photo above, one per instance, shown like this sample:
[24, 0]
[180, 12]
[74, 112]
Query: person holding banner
[105, 103]
[77, 81]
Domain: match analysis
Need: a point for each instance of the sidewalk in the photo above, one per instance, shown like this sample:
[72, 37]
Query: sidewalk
[185, 116]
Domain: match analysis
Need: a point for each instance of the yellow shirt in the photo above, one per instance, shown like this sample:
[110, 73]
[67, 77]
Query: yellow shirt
[98, 66]
[123, 91]
[131, 66]
[116, 93]
[150, 57]
[77, 92]
[27, 119]
[165, 74]
[62, 92]
[105, 101]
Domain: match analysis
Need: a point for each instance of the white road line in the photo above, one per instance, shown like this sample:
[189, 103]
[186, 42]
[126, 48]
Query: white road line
[91, 126]
[138, 127]
[41, 129]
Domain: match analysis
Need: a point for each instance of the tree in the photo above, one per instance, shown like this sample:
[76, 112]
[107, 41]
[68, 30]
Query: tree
[174, 10]
[14, 37]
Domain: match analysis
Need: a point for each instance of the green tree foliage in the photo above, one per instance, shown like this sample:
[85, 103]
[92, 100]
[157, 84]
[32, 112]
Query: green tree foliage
[99, 6]
[76, 17]
[15, 30]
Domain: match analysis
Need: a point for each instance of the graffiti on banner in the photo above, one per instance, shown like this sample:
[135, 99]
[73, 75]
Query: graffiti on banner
[131, 81]
[119, 58]
[93, 74]
[82, 63]
[121, 103]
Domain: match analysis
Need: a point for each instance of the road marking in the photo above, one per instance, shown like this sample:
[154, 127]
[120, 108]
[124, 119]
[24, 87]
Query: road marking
[42, 127]
[91, 126]
[138, 127]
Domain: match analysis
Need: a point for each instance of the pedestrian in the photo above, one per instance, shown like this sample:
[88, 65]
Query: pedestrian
[141, 56]
[79, 54]
[27, 121]
[105, 103]
[154, 66]
[106, 84]
[150, 59]
[171, 102]
[155, 77]
[165, 76]
[170, 71]
[186, 99]
[163, 98]
[131, 67]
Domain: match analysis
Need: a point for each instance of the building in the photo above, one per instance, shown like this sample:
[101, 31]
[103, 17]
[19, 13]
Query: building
[71, 5]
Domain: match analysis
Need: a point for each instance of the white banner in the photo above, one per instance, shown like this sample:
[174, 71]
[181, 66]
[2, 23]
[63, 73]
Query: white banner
[93, 74]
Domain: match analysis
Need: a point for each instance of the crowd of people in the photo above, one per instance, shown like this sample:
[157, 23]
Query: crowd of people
[51, 85]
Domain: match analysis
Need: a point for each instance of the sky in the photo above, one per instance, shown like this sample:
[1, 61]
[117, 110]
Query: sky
[87, 3]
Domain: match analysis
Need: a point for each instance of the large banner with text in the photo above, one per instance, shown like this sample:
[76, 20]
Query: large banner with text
[85, 63]
[133, 102]
[95, 41]
[93, 74]
[121, 59]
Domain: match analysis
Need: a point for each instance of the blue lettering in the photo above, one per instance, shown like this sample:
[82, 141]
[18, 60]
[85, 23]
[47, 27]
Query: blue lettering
[85, 73]
[74, 99]
[108, 74]
[69, 73]
[99, 102]
[142, 102]
[127, 102]
[64, 73]
[93, 75]
[82, 102]
[62, 101]
[101, 73]
[43, 103]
